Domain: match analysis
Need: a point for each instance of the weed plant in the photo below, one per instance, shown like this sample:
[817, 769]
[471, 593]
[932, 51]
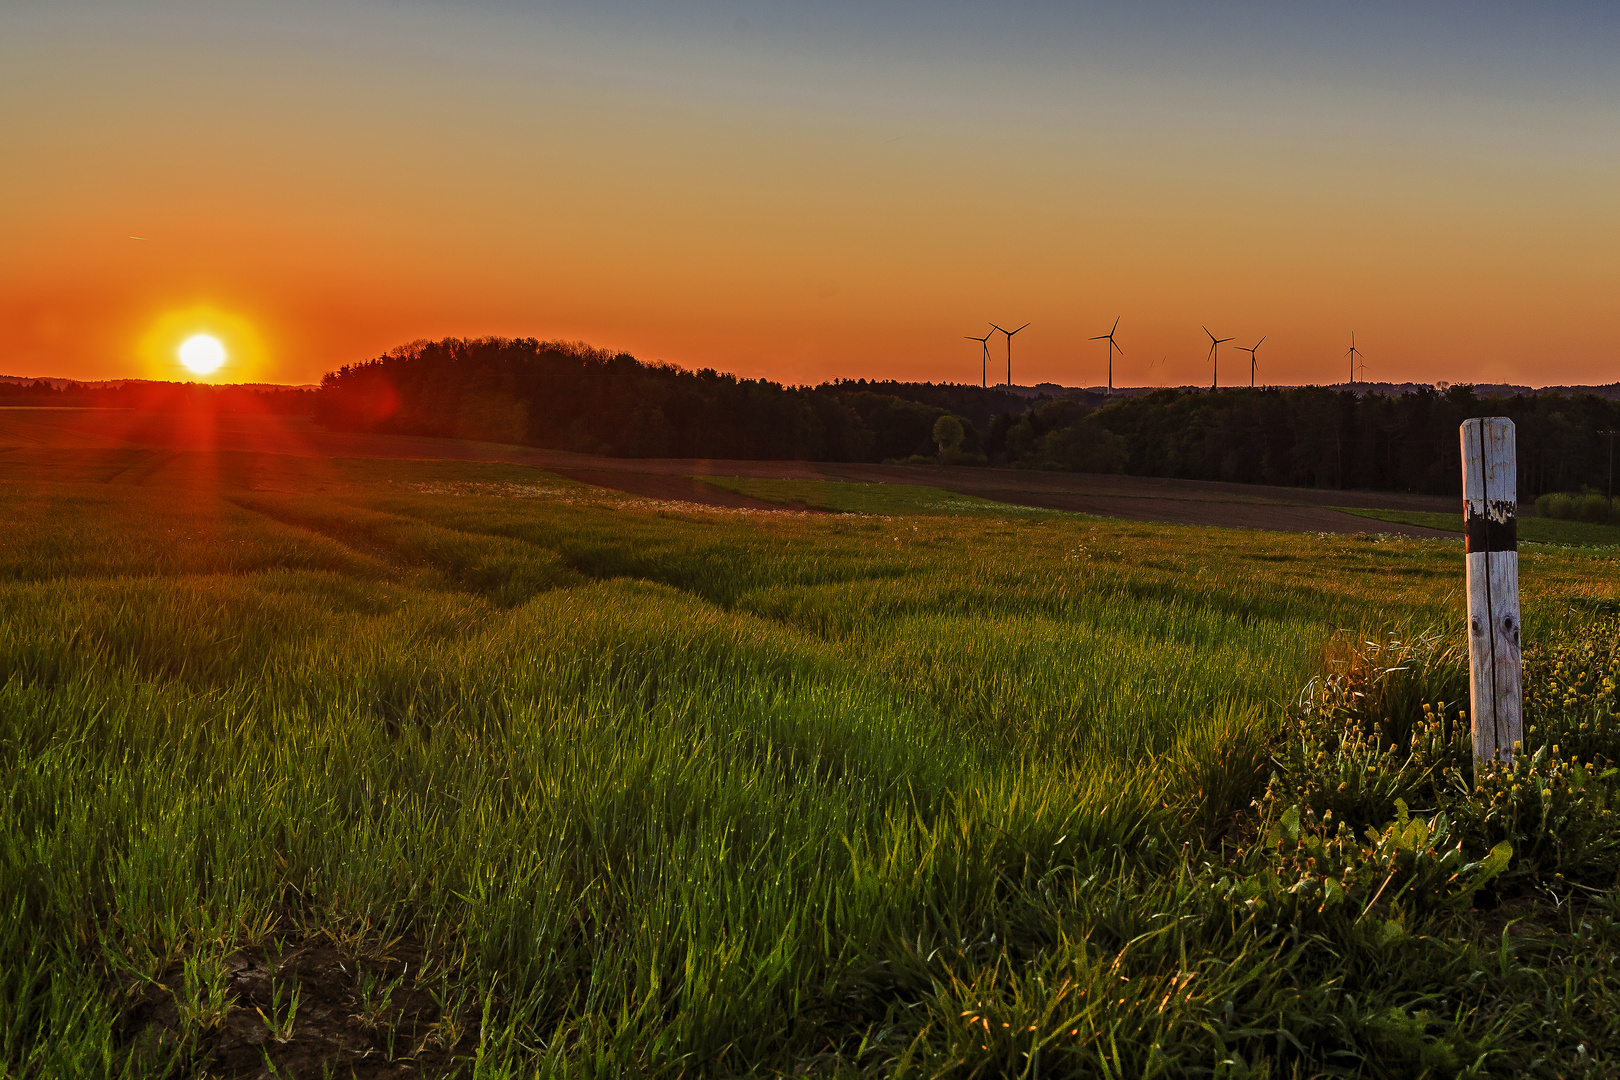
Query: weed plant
[1495, 902]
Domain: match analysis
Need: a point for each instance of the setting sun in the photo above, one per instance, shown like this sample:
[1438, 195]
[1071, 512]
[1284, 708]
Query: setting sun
[203, 343]
[202, 354]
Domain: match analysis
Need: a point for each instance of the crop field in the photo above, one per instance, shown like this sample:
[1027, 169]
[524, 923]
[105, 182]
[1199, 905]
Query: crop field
[852, 497]
[327, 767]
[1135, 498]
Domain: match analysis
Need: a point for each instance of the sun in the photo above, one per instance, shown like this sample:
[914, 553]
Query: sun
[205, 344]
[202, 353]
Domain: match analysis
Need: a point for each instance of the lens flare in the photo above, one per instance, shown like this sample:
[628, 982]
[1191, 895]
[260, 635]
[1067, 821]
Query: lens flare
[202, 353]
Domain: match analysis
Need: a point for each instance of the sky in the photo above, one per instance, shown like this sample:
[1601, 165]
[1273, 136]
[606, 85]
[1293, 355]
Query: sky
[806, 191]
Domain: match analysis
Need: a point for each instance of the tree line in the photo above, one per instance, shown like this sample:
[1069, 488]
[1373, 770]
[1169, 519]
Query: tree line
[151, 396]
[569, 396]
[1312, 437]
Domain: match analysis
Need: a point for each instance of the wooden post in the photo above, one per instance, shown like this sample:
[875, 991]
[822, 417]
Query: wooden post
[1490, 512]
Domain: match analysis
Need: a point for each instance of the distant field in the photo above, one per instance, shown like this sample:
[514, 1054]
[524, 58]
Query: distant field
[1186, 502]
[1533, 529]
[497, 767]
[848, 497]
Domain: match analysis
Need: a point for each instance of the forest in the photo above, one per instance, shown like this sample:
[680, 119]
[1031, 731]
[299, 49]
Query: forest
[152, 396]
[569, 396]
[1311, 437]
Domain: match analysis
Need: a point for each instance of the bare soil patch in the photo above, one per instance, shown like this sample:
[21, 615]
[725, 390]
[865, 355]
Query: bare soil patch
[237, 1017]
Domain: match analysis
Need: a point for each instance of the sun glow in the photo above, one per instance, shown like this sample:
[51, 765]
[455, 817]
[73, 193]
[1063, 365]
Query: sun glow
[203, 343]
[202, 353]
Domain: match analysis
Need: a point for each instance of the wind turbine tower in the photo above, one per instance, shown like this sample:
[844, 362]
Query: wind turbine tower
[1109, 337]
[1009, 334]
[1215, 344]
[1253, 364]
[1352, 353]
[984, 358]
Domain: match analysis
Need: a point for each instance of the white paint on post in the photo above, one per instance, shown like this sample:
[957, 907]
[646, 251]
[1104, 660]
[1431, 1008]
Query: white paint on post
[1490, 521]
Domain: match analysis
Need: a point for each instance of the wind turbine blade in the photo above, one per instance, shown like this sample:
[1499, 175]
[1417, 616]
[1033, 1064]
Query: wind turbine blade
[1111, 329]
[1099, 337]
[1261, 342]
[1121, 351]
[1211, 336]
[1020, 328]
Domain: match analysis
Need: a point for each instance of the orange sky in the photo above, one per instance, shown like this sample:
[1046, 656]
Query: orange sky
[812, 194]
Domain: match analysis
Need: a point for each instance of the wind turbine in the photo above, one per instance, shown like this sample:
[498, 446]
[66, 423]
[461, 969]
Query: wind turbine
[1109, 337]
[1352, 353]
[1215, 344]
[984, 364]
[1252, 364]
[1009, 334]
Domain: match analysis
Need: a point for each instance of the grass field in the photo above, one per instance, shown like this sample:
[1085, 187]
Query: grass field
[317, 767]
[845, 497]
[1536, 530]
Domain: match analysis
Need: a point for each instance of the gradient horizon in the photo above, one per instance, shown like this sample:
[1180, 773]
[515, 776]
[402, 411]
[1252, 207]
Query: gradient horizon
[806, 193]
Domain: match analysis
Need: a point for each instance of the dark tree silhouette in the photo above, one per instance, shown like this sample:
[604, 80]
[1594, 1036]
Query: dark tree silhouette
[569, 396]
[1311, 437]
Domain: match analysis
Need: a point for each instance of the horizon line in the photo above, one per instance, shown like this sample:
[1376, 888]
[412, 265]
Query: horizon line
[1099, 388]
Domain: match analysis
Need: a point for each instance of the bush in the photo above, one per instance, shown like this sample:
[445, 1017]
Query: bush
[966, 457]
[1556, 504]
[1592, 507]
[1585, 505]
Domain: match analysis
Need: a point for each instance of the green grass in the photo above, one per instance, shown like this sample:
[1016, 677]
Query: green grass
[848, 497]
[1537, 530]
[659, 792]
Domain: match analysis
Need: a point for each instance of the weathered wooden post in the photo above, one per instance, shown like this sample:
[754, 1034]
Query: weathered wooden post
[1490, 512]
